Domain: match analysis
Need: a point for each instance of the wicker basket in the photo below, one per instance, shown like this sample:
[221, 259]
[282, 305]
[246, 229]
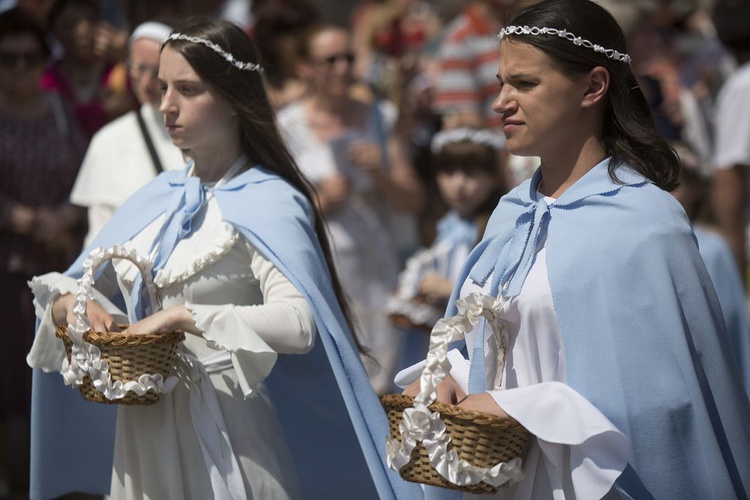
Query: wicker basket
[128, 356]
[480, 440]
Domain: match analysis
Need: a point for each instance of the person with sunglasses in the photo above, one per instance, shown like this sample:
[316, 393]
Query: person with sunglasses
[348, 149]
[40, 152]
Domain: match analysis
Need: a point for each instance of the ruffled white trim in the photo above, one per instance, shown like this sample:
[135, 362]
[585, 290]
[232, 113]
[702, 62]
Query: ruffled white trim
[180, 270]
[421, 424]
[85, 359]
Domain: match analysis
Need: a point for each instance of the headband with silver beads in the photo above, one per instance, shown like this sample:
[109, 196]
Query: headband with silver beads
[216, 48]
[577, 40]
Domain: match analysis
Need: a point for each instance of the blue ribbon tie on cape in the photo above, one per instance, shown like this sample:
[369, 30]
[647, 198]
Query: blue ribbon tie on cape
[178, 217]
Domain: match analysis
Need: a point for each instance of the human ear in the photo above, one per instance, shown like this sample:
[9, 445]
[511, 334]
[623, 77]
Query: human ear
[597, 84]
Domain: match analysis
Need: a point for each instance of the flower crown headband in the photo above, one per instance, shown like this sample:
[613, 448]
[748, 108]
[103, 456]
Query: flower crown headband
[534, 31]
[217, 48]
[478, 136]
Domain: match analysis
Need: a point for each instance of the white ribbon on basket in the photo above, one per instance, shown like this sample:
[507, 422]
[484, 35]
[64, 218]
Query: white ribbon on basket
[421, 424]
[85, 358]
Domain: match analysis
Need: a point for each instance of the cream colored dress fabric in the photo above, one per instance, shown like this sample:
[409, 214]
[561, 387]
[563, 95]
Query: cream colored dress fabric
[248, 312]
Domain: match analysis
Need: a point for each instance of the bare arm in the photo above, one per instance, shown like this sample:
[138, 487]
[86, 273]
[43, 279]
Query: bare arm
[730, 199]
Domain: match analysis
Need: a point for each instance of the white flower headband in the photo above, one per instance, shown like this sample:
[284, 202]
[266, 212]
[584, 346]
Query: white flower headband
[216, 48]
[525, 30]
[479, 136]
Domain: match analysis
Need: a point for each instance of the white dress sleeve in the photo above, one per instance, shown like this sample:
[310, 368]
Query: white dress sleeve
[283, 324]
[47, 352]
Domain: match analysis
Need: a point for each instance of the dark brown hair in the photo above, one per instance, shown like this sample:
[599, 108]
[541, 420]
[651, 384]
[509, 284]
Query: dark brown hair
[629, 135]
[245, 91]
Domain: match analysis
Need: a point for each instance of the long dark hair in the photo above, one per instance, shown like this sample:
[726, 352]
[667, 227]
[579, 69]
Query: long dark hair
[629, 135]
[259, 134]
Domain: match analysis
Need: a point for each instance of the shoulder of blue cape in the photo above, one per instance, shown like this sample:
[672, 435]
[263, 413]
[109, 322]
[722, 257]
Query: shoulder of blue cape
[596, 188]
[257, 198]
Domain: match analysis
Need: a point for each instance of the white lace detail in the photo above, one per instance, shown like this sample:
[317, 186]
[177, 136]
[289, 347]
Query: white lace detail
[178, 272]
[577, 40]
[85, 359]
[421, 424]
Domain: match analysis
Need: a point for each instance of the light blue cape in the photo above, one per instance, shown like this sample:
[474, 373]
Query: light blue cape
[729, 288]
[644, 337]
[332, 419]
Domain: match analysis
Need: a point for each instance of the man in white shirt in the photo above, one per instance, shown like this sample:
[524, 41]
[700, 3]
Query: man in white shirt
[731, 159]
[129, 151]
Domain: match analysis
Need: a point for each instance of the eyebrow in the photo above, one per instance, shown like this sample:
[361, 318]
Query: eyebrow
[516, 76]
[182, 80]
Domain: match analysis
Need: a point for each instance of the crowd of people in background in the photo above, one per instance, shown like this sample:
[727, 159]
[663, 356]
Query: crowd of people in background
[386, 106]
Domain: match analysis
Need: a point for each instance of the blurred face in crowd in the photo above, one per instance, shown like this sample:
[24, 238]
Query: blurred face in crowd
[143, 70]
[22, 62]
[331, 62]
[465, 190]
[75, 28]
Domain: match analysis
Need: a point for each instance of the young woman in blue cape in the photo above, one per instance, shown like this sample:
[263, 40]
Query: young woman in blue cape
[619, 363]
[242, 265]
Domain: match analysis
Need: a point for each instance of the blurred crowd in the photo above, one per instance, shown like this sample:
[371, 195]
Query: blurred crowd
[387, 108]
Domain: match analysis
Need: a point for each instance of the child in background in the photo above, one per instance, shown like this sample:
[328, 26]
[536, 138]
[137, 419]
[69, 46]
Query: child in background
[470, 185]
[694, 196]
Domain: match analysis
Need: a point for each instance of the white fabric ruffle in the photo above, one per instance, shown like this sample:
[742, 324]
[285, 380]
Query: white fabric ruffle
[252, 358]
[85, 358]
[420, 424]
[202, 256]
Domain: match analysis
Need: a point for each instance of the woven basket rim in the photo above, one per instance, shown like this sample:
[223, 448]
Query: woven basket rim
[402, 401]
[120, 338]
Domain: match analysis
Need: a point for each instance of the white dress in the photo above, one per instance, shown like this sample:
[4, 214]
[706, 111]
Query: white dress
[248, 312]
[363, 250]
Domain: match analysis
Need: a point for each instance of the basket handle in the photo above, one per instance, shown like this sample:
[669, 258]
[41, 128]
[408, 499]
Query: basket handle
[95, 259]
[420, 424]
[449, 330]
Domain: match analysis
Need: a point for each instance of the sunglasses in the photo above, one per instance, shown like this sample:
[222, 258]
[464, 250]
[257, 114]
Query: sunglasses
[333, 59]
[12, 60]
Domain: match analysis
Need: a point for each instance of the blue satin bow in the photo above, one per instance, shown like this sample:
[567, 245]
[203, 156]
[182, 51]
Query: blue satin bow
[516, 258]
[177, 225]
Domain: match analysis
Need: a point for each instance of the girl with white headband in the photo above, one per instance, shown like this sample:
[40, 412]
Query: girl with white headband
[619, 363]
[271, 401]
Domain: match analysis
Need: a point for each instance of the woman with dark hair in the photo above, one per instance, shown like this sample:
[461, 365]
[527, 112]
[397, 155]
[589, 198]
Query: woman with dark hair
[618, 360]
[242, 265]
